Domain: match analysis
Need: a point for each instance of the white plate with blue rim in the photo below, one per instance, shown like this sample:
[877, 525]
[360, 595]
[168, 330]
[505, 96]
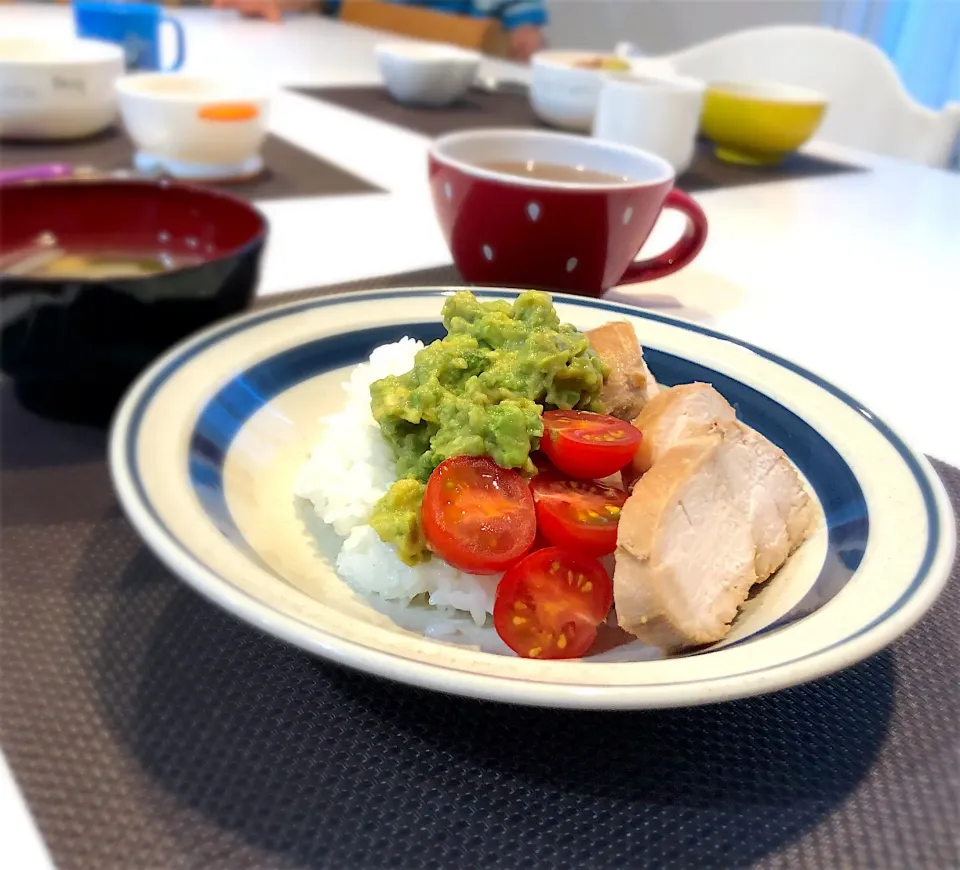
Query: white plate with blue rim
[205, 447]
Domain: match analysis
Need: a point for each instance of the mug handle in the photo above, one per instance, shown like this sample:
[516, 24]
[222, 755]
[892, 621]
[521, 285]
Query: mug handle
[686, 248]
[181, 43]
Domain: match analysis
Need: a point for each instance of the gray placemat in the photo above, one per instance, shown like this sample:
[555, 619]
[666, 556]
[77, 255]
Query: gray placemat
[147, 729]
[481, 110]
[289, 171]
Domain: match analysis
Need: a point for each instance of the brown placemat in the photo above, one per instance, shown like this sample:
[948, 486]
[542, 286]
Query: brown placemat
[481, 109]
[147, 729]
[289, 171]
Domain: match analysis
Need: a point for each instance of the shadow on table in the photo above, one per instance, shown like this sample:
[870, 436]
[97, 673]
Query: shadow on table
[28, 441]
[52, 472]
[329, 768]
[692, 294]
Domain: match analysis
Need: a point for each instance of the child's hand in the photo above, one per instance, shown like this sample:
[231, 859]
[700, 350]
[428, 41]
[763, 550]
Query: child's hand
[269, 9]
[524, 41]
[272, 10]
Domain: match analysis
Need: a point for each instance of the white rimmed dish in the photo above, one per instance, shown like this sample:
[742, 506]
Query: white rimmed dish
[205, 446]
[57, 88]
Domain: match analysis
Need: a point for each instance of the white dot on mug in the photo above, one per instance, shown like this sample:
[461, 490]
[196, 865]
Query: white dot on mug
[627, 215]
[533, 210]
[571, 264]
[448, 190]
[488, 252]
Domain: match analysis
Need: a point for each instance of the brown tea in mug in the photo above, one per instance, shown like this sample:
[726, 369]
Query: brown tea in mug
[552, 172]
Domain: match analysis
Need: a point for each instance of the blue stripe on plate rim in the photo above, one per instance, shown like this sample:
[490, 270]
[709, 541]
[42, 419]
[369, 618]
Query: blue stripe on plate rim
[155, 377]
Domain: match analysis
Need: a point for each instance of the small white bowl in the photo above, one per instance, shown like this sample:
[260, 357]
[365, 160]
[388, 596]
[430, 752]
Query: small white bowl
[563, 94]
[426, 74]
[206, 126]
[57, 89]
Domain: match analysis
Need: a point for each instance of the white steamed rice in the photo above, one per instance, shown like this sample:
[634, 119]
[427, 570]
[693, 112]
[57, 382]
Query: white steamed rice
[349, 469]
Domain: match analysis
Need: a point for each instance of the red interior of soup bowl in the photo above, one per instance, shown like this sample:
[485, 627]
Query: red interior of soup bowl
[73, 344]
[129, 215]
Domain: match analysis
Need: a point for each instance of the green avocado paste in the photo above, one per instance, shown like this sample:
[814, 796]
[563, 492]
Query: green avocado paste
[479, 391]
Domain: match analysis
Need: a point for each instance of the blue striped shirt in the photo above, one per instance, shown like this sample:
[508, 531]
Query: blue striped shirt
[510, 13]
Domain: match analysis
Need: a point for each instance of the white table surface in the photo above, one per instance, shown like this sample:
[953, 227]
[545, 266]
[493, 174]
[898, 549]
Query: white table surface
[855, 276]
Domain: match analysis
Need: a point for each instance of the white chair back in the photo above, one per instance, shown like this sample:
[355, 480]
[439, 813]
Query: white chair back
[869, 106]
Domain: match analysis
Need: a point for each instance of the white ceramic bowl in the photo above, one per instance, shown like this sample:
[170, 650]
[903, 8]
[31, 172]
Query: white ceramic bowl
[205, 447]
[57, 89]
[194, 121]
[562, 94]
[426, 74]
[655, 113]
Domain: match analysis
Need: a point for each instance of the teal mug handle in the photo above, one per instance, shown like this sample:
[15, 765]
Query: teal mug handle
[181, 43]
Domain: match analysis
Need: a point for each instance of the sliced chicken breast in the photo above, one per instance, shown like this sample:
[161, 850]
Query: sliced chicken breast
[630, 385]
[674, 414]
[685, 551]
[769, 490]
[717, 512]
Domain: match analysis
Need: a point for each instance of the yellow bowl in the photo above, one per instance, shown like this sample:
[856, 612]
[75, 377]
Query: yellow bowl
[759, 124]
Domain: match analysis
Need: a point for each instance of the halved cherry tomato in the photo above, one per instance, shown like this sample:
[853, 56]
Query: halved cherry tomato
[586, 445]
[478, 516]
[549, 604]
[578, 514]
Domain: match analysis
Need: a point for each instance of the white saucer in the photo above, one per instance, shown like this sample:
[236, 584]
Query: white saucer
[150, 165]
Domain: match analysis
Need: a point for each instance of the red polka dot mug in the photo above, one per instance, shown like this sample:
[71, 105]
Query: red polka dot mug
[528, 208]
